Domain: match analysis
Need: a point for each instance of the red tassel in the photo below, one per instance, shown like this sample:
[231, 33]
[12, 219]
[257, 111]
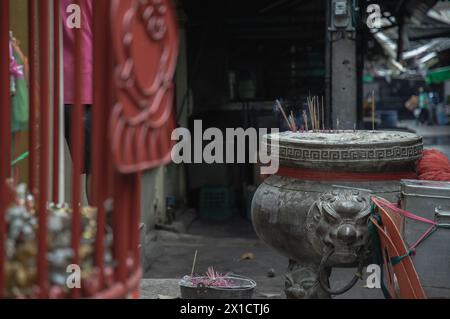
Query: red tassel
[434, 166]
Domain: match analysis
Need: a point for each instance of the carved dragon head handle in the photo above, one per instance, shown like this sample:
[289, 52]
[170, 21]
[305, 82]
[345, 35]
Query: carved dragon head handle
[338, 220]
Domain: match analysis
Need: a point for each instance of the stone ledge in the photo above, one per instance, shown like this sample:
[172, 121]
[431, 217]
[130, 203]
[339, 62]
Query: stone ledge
[159, 288]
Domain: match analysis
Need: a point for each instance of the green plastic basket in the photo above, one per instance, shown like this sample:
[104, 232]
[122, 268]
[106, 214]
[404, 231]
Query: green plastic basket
[216, 203]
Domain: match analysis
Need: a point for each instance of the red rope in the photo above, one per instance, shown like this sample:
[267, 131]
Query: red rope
[317, 175]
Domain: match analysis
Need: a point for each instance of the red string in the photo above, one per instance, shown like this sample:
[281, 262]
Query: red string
[381, 202]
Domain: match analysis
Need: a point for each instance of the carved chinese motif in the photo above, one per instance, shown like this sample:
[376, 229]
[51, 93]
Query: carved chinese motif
[145, 44]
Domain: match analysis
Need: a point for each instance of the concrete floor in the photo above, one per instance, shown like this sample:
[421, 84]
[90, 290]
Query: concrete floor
[222, 245]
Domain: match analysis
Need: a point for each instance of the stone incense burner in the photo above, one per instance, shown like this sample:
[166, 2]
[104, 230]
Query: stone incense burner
[315, 209]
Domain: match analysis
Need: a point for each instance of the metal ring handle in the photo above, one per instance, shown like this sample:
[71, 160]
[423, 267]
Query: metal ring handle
[323, 263]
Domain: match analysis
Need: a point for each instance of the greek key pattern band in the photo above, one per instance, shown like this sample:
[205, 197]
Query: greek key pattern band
[349, 155]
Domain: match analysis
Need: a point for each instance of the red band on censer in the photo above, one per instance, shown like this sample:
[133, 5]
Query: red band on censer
[317, 175]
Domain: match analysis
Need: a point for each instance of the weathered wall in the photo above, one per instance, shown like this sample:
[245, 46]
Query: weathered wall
[161, 182]
[19, 18]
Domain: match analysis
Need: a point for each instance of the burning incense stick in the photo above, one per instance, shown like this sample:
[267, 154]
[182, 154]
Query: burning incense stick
[310, 111]
[294, 124]
[323, 115]
[313, 119]
[317, 114]
[193, 264]
[284, 114]
[373, 110]
[314, 112]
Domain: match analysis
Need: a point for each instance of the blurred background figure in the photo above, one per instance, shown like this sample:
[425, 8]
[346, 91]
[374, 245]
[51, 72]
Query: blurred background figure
[419, 106]
[86, 25]
[423, 113]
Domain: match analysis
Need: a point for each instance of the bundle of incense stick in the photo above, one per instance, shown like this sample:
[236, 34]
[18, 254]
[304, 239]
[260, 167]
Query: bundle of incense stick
[316, 114]
[290, 121]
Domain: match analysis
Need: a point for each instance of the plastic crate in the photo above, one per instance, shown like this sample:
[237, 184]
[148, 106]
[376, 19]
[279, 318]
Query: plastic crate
[216, 203]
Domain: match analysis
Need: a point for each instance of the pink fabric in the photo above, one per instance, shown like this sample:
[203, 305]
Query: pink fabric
[69, 53]
[15, 69]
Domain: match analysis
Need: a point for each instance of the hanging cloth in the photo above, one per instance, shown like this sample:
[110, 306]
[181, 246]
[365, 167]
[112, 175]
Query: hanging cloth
[19, 101]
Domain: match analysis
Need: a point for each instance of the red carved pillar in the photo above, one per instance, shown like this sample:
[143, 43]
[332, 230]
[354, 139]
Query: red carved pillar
[56, 97]
[145, 39]
[100, 114]
[77, 136]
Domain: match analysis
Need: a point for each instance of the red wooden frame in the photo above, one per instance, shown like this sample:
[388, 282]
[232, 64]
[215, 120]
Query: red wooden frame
[56, 97]
[32, 54]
